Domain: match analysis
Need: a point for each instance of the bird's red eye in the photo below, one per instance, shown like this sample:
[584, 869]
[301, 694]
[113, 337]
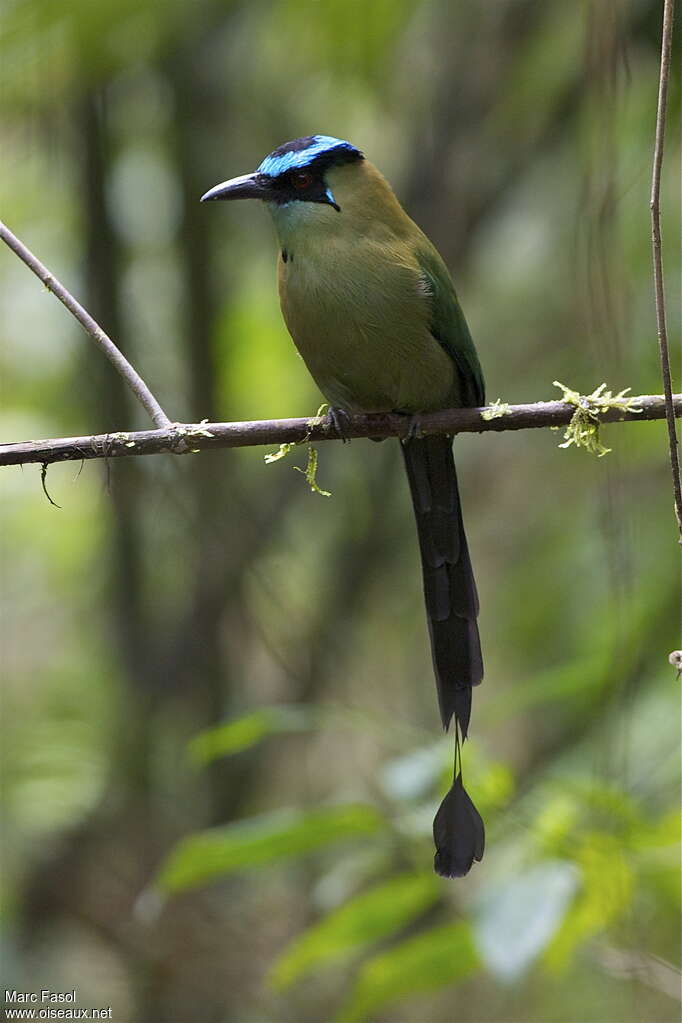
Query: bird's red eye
[302, 180]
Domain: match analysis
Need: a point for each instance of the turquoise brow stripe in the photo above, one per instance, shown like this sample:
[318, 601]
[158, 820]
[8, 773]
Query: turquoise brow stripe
[276, 165]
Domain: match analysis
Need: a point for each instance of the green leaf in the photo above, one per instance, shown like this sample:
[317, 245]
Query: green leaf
[608, 884]
[243, 732]
[437, 958]
[366, 918]
[257, 841]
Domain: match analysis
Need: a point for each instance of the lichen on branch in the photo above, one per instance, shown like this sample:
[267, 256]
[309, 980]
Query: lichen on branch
[583, 429]
[310, 471]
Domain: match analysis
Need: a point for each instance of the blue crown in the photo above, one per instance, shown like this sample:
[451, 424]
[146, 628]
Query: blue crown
[319, 149]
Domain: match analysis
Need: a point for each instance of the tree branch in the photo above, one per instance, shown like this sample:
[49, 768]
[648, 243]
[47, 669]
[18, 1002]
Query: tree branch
[130, 375]
[654, 204]
[180, 438]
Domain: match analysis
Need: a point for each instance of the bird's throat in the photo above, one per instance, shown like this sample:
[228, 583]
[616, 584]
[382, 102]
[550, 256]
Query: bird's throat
[303, 225]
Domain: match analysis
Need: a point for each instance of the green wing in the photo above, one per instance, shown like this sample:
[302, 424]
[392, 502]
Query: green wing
[449, 327]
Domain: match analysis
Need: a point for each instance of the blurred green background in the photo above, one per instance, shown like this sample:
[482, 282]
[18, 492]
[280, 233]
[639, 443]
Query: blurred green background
[221, 748]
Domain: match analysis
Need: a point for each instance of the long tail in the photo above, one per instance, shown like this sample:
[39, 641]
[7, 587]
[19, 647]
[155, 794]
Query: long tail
[452, 612]
[449, 587]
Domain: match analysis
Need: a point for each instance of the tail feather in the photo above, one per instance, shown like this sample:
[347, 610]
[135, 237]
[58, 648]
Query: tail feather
[449, 587]
[458, 833]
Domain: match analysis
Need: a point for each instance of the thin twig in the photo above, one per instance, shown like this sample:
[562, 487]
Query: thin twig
[43, 483]
[130, 375]
[661, 323]
[181, 438]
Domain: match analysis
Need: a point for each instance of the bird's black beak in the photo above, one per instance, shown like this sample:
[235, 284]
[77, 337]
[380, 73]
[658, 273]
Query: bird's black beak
[248, 186]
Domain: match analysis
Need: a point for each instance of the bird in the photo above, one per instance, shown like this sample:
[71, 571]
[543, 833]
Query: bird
[371, 308]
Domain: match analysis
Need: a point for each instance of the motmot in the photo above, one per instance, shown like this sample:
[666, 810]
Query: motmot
[372, 310]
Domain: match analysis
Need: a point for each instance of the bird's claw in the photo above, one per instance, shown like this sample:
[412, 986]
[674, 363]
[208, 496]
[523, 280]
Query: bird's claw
[339, 420]
[414, 430]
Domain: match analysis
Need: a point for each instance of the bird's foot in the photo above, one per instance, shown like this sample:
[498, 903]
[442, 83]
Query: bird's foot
[414, 430]
[339, 420]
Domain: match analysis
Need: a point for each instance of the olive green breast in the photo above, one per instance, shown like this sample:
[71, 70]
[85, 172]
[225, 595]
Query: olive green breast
[359, 315]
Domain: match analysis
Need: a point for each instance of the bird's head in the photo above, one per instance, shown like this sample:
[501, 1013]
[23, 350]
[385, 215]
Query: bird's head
[296, 172]
[319, 187]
